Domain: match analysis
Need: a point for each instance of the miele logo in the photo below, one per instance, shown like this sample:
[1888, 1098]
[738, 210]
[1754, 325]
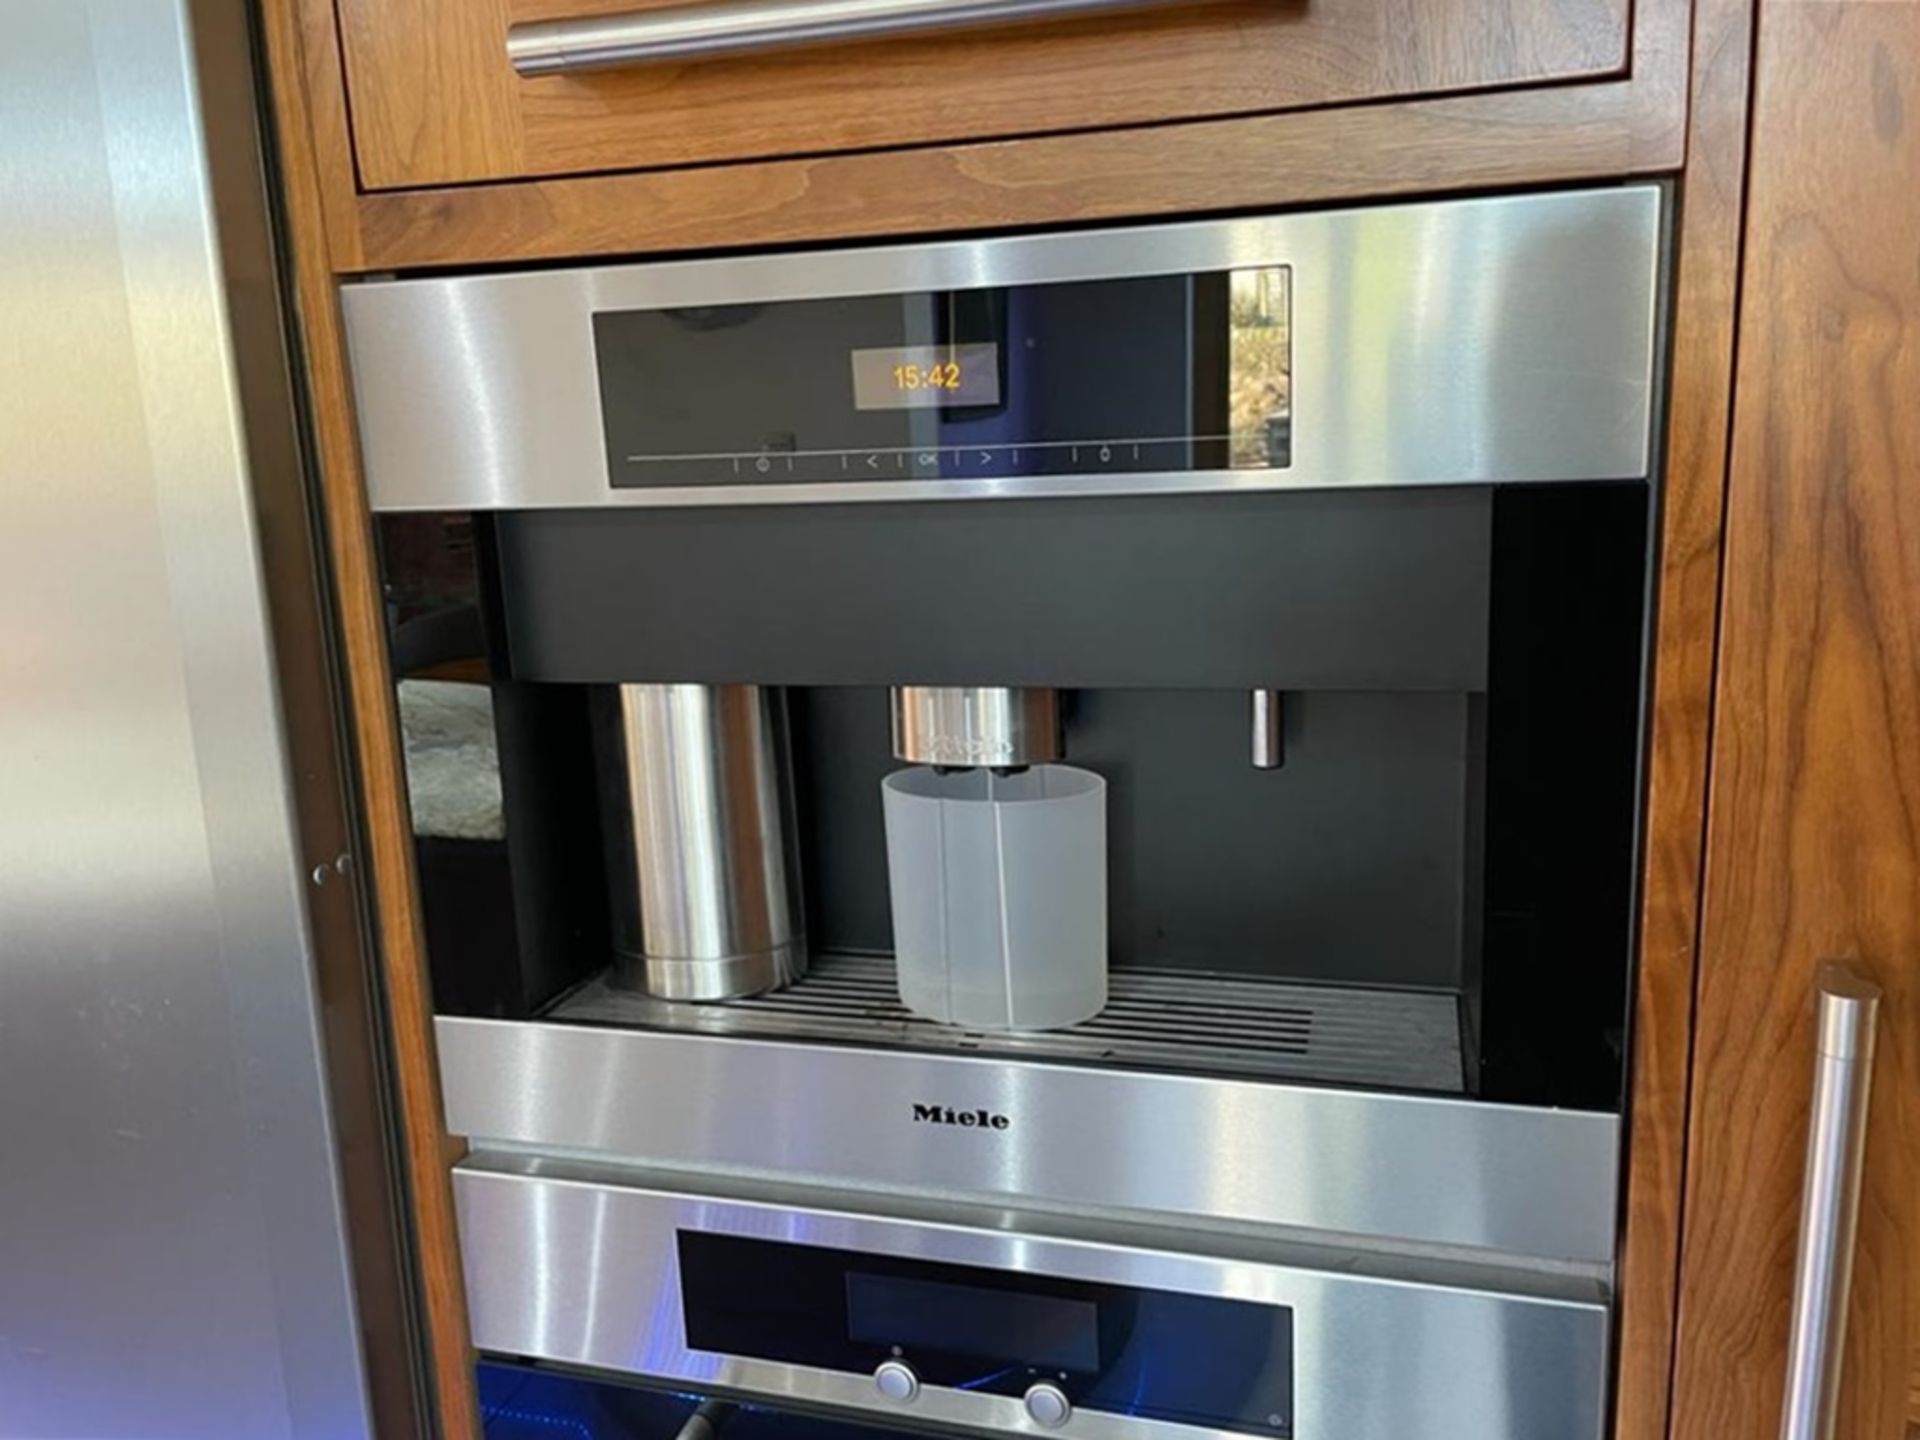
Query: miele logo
[965, 1119]
[966, 750]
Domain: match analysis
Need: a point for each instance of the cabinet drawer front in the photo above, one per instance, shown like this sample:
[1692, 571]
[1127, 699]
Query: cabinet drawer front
[436, 101]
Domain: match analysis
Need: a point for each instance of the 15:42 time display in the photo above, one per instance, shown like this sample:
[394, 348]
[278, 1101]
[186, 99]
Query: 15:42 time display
[916, 377]
[941, 375]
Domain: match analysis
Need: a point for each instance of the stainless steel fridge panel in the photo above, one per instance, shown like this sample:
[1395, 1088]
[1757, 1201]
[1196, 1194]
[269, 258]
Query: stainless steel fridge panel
[172, 1249]
[1417, 1171]
[1453, 342]
[586, 1272]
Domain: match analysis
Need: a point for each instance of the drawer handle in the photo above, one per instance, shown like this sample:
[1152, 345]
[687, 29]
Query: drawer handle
[1830, 1202]
[738, 27]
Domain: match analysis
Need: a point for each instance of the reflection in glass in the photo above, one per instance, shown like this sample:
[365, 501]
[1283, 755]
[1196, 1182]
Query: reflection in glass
[1260, 381]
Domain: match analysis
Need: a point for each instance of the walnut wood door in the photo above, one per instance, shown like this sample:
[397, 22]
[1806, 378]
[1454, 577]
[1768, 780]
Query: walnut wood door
[1813, 848]
[435, 100]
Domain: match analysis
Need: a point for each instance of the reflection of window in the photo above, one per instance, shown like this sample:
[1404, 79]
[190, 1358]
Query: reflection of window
[1260, 379]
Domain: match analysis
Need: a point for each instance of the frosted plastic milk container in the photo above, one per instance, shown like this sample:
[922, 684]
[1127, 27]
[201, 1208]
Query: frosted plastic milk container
[999, 890]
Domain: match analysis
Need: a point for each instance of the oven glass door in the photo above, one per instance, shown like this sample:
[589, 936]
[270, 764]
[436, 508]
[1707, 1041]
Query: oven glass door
[528, 1403]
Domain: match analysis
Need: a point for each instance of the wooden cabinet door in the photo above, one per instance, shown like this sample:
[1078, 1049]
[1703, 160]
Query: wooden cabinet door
[435, 102]
[1814, 828]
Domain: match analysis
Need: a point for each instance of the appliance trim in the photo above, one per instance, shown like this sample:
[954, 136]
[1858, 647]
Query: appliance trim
[535, 1241]
[1411, 1169]
[1515, 308]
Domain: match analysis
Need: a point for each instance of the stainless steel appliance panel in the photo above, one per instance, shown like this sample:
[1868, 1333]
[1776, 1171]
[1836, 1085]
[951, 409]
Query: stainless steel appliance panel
[1529, 1183]
[587, 1273]
[172, 1250]
[1466, 341]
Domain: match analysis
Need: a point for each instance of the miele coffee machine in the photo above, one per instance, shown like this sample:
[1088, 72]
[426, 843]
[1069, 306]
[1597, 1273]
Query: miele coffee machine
[1318, 542]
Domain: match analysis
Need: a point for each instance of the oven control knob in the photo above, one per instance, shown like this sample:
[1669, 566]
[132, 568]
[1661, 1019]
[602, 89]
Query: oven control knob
[1048, 1405]
[896, 1381]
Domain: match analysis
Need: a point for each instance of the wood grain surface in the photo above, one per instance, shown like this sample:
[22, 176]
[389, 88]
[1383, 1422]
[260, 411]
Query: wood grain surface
[308, 70]
[435, 101]
[388, 864]
[1705, 288]
[1630, 124]
[1814, 834]
[1549, 135]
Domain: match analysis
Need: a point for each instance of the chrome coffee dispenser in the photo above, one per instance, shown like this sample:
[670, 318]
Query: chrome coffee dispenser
[1319, 540]
[697, 822]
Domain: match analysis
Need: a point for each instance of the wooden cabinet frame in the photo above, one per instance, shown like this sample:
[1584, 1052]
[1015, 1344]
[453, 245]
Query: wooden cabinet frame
[1815, 813]
[1681, 109]
[435, 102]
[1633, 124]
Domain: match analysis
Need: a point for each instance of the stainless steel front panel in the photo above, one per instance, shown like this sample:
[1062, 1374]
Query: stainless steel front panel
[585, 1272]
[1469, 341]
[1398, 1169]
[173, 1259]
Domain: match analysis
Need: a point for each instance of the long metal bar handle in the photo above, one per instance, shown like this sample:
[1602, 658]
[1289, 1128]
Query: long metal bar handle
[1830, 1203]
[737, 27]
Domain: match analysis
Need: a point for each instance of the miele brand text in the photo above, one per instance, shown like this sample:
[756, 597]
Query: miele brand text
[965, 1119]
[967, 750]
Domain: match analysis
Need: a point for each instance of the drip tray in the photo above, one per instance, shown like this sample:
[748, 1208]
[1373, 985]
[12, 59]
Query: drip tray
[1155, 1019]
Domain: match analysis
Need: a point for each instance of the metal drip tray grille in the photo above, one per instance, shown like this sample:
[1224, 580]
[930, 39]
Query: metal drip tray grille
[1155, 1019]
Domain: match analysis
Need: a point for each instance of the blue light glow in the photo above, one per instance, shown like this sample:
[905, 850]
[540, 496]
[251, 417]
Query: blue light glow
[530, 1417]
[986, 1379]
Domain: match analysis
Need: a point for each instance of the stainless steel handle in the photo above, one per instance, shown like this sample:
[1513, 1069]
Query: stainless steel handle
[738, 27]
[1830, 1204]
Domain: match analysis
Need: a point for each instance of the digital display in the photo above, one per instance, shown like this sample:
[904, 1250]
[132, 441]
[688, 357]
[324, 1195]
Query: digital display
[1144, 380]
[1039, 1330]
[1115, 1349]
[926, 377]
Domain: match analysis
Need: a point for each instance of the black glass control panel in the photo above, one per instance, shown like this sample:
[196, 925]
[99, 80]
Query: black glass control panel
[1154, 1354]
[1144, 375]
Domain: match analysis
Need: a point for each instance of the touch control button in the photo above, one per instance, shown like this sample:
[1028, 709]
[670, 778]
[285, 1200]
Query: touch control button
[896, 1381]
[1048, 1405]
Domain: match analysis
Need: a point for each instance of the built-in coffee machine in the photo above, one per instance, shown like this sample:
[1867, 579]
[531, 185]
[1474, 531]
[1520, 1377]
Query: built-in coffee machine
[1040, 833]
